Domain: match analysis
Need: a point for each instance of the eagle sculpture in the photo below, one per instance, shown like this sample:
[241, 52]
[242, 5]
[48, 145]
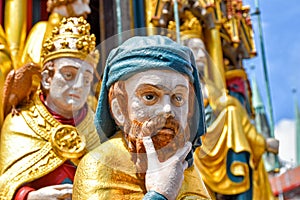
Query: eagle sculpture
[18, 87]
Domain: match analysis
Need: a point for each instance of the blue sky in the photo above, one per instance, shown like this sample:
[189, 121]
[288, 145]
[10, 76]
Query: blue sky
[281, 32]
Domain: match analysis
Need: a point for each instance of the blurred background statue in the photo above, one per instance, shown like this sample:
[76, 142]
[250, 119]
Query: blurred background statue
[42, 30]
[230, 159]
[15, 26]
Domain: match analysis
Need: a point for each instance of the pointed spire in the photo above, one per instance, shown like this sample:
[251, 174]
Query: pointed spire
[262, 125]
[261, 121]
[256, 97]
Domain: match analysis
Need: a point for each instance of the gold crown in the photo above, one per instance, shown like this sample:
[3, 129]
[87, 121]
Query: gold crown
[71, 38]
[51, 4]
[190, 28]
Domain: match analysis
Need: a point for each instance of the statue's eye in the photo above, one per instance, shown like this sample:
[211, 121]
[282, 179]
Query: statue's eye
[149, 98]
[68, 75]
[178, 99]
[88, 80]
[68, 72]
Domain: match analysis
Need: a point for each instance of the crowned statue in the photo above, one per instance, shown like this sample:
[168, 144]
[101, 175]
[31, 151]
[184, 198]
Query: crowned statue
[44, 136]
[16, 47]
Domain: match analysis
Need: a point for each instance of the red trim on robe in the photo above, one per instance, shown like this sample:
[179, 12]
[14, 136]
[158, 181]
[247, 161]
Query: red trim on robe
[236, 85]
[23, 193]
[58, 176]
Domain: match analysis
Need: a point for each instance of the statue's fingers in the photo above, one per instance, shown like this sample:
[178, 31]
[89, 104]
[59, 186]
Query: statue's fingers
[63, 186]
[153, 162]
[65, 194]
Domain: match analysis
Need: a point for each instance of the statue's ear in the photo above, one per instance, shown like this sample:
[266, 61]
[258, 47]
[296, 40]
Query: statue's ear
[117, 113]
[46, 79]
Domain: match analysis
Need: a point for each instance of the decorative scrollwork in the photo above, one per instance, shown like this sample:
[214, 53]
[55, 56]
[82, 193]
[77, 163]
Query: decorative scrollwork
[67, 143]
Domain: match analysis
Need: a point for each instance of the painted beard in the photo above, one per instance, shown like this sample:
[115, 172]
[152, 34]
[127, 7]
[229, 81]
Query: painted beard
[167, 135]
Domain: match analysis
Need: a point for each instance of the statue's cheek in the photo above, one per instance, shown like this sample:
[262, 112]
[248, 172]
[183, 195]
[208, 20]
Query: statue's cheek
[137, 110]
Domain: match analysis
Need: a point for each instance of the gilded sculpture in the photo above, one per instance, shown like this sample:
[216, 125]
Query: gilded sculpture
[17, 49]
[231, 168]
[226, 116]
[42, 145]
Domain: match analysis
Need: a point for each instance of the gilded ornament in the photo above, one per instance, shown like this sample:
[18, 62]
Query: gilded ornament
[67, 143]
[190, 28]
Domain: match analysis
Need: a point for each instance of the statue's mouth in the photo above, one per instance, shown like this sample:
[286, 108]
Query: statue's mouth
[171, 126]
[75, 96]
[166, 131]
[166, 134]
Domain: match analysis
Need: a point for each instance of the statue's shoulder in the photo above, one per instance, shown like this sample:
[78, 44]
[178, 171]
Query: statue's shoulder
[29, 122]
[113, 153]
[24, 108]
[112, 147]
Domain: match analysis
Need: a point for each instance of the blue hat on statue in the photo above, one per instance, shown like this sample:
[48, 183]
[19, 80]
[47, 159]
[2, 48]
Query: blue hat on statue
[138, 54]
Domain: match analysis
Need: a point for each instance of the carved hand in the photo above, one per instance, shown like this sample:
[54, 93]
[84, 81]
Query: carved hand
[165, 177]
[53, 192]
[272, 145]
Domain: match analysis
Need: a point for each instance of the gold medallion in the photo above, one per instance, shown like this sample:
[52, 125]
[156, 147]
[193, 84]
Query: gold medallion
[67, 143]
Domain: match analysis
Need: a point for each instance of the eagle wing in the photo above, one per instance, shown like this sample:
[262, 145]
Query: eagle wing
[9, 81]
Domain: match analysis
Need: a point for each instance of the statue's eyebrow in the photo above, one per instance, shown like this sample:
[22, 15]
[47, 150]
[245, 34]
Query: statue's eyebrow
[160, 87]
[77, 68]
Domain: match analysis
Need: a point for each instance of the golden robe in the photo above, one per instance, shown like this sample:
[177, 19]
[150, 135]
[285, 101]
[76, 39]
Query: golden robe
[233, 131]
[30, 145]
[1, 103]
[109, 173]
